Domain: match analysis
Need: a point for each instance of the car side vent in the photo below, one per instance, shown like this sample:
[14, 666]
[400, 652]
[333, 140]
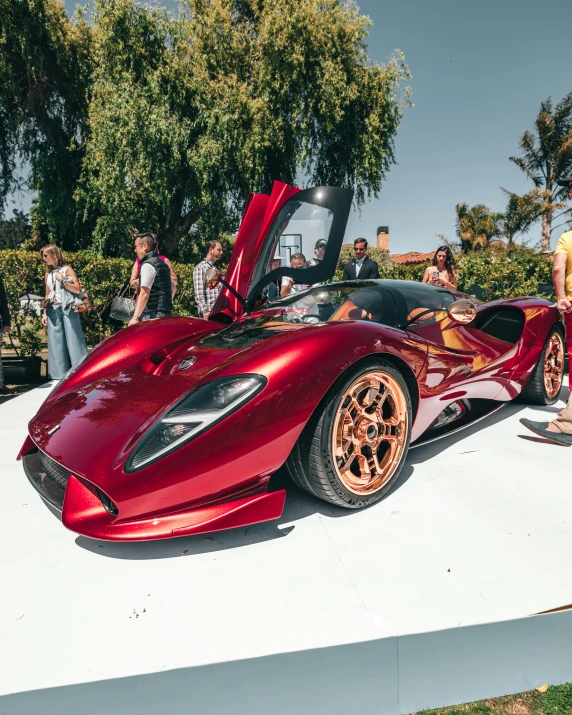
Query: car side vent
[502, 323]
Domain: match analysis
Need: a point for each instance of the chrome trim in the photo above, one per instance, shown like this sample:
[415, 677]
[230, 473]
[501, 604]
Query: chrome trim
[187, 363]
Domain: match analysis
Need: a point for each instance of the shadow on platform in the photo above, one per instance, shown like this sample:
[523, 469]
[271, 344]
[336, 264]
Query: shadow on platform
[299, 505]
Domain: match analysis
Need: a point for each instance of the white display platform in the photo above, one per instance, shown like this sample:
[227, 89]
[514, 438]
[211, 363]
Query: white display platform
[420, 601]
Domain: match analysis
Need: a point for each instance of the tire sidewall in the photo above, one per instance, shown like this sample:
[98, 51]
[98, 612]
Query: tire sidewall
[351, 499]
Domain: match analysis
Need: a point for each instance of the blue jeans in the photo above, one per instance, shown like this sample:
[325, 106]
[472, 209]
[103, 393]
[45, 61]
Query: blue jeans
[66, 344]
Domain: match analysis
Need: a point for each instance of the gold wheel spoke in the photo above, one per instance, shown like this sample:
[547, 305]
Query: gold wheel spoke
[554, 366]
[367, 446]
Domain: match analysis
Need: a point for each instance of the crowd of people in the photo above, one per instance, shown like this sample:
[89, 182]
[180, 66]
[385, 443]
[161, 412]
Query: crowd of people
[154, 278]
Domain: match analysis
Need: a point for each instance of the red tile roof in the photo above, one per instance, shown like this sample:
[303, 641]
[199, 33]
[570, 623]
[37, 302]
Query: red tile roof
[412, 257]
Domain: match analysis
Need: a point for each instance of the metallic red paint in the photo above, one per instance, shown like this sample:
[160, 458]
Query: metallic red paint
[84, 513]
[93, 420]
[260, 214]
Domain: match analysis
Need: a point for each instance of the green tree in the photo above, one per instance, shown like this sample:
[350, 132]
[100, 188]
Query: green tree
[188, 114]
[476, 226]
[44, 77]
[522, 211]
[546, 155]
[15, 231]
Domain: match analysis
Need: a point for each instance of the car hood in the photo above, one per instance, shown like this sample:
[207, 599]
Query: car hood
[81, 427]
[92, 430]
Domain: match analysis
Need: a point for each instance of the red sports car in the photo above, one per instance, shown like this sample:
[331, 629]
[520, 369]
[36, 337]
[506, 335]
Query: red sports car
[175, 426]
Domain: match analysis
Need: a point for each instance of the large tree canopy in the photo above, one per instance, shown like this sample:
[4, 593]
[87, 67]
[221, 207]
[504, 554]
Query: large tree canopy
[44, 76]
[173, 119]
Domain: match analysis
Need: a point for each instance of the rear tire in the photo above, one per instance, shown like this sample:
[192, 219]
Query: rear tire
[354, 446]
[544, 385]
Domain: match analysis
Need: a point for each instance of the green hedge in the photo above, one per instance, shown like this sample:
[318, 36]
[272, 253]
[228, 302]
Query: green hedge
[103, 278]
[502, 273]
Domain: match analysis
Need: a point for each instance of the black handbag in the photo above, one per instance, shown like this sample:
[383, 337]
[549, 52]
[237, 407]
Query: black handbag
[122, 308]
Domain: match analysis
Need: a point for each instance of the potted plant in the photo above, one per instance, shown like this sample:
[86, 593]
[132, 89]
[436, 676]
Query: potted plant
[26, 366]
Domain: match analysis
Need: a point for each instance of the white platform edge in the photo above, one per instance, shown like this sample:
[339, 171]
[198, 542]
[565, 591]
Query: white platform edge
[389, 676]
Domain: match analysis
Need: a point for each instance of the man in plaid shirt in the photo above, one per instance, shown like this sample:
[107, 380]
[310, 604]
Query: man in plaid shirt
[205, 296]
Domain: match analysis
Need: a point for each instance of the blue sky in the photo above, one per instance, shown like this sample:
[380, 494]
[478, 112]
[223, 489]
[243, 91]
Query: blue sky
[480, 70]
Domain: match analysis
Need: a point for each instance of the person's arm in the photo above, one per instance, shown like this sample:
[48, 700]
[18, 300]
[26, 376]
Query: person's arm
[426, 275]
[559, 280]
[200, 288]
[141, 304]
[451, 284]
[45, 311]
[174, 279]
[69, 280]
[345, 274]
[147, 276]
[286, 287]
[375, 270]
[134, 280]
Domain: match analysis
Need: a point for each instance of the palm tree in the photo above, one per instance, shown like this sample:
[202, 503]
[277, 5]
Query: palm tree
[522, 211]
[546, 155]
[476, 226]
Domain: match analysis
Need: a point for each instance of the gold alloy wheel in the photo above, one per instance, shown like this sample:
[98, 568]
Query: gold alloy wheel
[554, 366]
[369, 432]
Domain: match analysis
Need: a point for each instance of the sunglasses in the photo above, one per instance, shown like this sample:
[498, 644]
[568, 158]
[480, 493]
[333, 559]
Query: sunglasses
[360, 249]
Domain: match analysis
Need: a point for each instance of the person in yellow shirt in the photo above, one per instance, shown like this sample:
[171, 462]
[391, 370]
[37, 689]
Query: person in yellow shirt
[560, 429]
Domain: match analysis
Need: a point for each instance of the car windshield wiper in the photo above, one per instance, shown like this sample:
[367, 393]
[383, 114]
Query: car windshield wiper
[415, 318]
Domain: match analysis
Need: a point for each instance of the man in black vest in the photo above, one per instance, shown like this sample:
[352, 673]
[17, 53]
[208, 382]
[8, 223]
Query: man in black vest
[361, 268]
[154, 299]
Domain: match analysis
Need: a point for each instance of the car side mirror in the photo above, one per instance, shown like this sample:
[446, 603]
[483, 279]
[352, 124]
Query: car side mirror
[462, 311]
[212, 277]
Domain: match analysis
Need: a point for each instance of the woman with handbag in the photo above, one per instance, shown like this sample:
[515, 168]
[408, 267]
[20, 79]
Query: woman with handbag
[66, 344]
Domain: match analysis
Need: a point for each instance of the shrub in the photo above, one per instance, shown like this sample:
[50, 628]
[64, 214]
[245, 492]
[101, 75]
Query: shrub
[502, 272]
[30, 342]
[103, 278]
[505, 272]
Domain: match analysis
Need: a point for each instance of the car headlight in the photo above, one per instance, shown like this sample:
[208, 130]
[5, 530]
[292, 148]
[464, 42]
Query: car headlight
[194, 414]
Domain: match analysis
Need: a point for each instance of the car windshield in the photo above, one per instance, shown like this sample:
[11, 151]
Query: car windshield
[386, 302]
[389, 302]
[367, 301]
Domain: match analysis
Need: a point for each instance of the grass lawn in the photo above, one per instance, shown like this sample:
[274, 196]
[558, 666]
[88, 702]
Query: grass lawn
[557, 700]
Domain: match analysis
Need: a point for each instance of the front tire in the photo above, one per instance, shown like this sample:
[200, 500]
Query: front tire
[354, 446]
[543, 388]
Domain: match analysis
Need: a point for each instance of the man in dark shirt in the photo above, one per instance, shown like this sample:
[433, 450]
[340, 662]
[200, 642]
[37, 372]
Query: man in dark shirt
[361, 268]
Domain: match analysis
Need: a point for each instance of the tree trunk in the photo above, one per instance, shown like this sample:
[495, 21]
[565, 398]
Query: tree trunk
[546, 225]
[176, 229]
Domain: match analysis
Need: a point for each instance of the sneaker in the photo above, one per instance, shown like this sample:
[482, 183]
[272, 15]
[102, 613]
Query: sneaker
[540, 428]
